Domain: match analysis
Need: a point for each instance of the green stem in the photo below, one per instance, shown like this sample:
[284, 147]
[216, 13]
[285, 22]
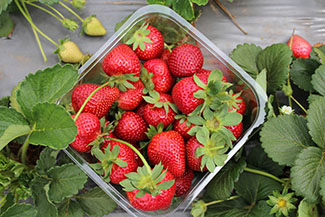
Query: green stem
[264, 174]
[88, 98]
[56, 11]
[67, 1]
[220, 201]
[33, 25]
[71, 11]
[35, 33]
[2, 200]
[136, 151]
[45, 10]
[24, 148]
[298, 104]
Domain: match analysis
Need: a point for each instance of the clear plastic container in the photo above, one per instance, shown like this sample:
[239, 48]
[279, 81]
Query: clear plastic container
[171, 24]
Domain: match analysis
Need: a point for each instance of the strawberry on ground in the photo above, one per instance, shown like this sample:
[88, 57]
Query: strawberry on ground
[185, 60]
[184, 182]
[131, 98]
[121, 60]
[131, 127]
[299, 46]
[191, 161]
[127, 155]
[88, 126]
[161, 78]
[99, 103]
[169, 149]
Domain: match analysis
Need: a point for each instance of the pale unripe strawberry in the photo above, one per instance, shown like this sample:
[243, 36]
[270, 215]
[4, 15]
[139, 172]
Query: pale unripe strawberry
[69, 52]
[93, 27]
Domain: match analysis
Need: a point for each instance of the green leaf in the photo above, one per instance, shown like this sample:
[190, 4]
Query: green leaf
[184, 8]
[53, 126]
[285, 134]
[222, 185]
[246, 56]
[307, 172]
[5, 101]
[44, 206]
[49, 2]
[318, 80]
[253, 187]
[66, 181]
[261, 79]
[316, 54]
[322, 187]
[315, 119]
[12, 125]
[45, 86]
[301, 73]
[275, 59]
[96, 202]
[46, 160]
[70, 208]
[200, 2]
[258, 158]
[202, 135]
[4, 5]
[6, 23]
[20, 210]
[320, 54]
[306, 209]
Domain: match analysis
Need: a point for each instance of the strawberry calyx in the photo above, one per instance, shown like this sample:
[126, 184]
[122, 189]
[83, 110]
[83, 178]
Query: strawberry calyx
[147, 181]
[234, 100]
[154, 99]
[122, 82]
[139, 38]
[146, 79]
[183, 118]
[152, 131]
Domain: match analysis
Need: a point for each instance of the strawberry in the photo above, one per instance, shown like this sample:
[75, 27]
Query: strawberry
[182, 93]
[207, 72]
[131, 127]
[140, 109]
[88, 126]
[99, 103]
[147, 42]
[121, 60]
[299, 46]
[160, 109]
[182, 128]
[148, 202]
[131, 98]
[183, 183]
[169, 149]
[236, 130]
[193, 162]
[237, 103]
[126, 154]
[185, 60]
[161, 78]
[165, 55]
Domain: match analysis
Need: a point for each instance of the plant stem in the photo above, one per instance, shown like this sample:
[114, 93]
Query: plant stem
[33, 25]
[45, 10]
[136, 151]
[56, 11]
[71, 11]
[298, 104]
[88, 98]
[220, 201]
[2, 200]
[264, 174]
[24, 148]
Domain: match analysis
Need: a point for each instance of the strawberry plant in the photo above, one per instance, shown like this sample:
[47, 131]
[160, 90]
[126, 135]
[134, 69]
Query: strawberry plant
[67, 50]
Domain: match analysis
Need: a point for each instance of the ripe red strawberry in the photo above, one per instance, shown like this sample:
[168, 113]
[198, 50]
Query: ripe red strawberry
[185, 60]
[240, 104]
[165, 55]
[140, 109]
[121, 60]
[169, 149]
[183, 183]
[182, 128]
[131, 127]
[131, 98]
[126, 154]
[151, 50]
[182, 93]
[155, 115]
[191, 161]
[299, 46]
[152, 203]
[161, 78]
[99, 103]
[88, 126]
[207, 72]
[237, 130]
